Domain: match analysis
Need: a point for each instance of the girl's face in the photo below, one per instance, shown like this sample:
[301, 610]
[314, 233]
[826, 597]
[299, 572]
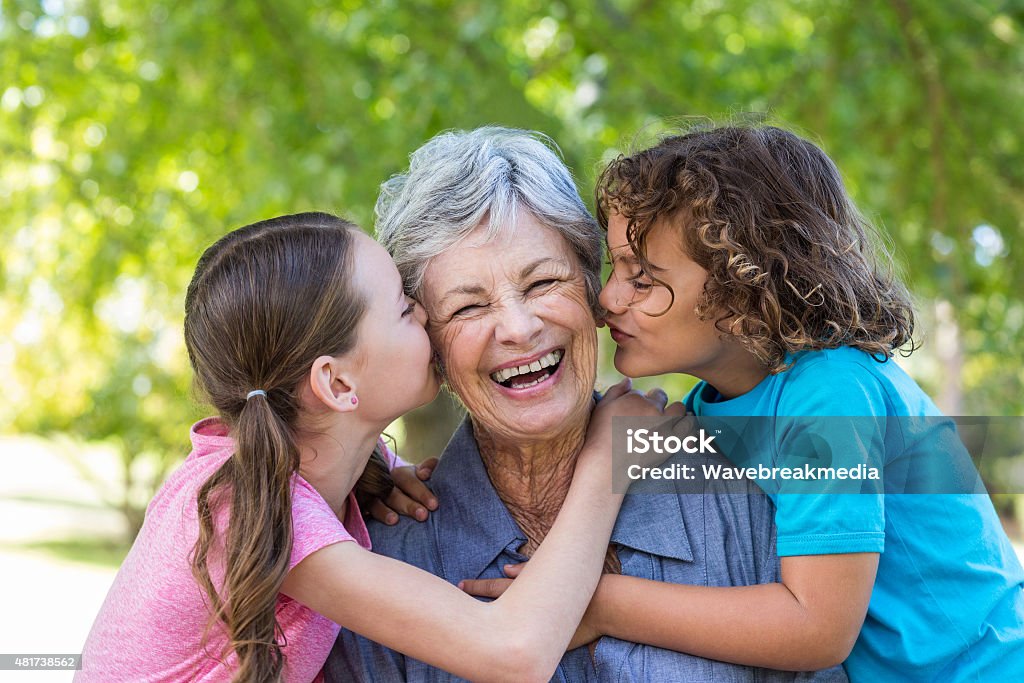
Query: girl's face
[677, 340]
[392, 354]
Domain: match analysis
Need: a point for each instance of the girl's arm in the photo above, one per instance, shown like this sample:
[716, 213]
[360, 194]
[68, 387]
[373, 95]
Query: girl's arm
[522, 635]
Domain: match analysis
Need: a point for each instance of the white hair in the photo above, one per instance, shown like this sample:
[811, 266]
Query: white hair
[458, 179]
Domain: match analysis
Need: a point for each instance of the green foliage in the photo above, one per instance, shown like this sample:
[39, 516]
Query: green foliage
[133, 134]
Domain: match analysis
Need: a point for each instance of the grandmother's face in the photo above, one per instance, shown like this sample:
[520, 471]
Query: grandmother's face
[510, 320]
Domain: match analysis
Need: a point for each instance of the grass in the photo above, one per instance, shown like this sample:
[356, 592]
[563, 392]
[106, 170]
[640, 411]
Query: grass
[98, 551]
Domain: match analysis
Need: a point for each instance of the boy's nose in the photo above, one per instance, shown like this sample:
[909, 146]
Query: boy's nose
[608, 298]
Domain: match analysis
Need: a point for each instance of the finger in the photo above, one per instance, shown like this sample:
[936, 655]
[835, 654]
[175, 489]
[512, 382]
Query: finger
[513, 570]
[414, 488]
[426, 468]
[485, 588]
[680, 421]
[404, 505]
[676, 409]
[618, 389]
[407, 480]
[658, 395]
[382, 513]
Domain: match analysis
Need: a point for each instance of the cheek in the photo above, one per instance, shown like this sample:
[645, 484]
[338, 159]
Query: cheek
[572, 311]
[585, 363]
[458, 346]
[422, 341]
[567, 303]
[661, 300]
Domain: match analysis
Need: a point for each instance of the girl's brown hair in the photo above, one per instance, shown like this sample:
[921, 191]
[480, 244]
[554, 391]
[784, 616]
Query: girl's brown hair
[266, 300]
[789, 260]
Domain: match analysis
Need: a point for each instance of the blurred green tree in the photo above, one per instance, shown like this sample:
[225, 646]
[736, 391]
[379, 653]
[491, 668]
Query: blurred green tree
[133, 134]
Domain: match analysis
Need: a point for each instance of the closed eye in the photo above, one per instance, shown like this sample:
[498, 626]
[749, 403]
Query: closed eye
[409, 309]
[540, 284]
[638, 284]
[465, 310]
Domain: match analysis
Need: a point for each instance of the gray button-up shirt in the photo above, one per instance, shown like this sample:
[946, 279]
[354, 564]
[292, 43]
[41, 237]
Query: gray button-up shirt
[707, 540]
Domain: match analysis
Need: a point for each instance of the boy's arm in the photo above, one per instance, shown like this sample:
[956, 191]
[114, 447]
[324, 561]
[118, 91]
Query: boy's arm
[809, 621]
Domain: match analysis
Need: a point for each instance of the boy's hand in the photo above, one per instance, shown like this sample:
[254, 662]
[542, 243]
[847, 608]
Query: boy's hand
[409, 497]
[586, 632]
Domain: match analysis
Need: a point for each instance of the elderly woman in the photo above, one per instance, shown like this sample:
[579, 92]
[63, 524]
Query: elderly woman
[489, 232]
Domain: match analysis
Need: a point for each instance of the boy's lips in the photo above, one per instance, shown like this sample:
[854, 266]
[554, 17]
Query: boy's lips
[617, 335]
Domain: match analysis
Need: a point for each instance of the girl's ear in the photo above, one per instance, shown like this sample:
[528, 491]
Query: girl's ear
[332, 385]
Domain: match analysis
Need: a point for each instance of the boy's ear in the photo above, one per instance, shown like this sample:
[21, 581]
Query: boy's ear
[332, 385]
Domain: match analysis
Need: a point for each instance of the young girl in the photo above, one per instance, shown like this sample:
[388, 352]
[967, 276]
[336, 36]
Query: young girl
[302, 338]
[738, 258]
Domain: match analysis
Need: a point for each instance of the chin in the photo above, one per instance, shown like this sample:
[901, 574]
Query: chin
[542, 423]
[547, 415]
[624, 366]
[632, 367]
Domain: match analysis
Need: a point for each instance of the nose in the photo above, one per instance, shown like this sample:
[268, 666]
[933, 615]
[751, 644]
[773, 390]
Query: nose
[610, 295]
[518, 325]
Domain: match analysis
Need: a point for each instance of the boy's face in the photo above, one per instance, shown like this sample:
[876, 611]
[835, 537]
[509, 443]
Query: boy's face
[678, 340]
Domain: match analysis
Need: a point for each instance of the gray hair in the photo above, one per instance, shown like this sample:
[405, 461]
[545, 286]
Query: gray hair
[460, 178]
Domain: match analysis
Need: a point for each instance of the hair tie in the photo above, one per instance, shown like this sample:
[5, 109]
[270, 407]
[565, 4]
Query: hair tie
[254, 392]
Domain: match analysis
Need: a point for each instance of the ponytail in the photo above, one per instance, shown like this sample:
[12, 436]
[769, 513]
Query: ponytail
[259, 538]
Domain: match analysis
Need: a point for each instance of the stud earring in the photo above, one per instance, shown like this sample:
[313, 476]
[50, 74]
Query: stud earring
[355, 400]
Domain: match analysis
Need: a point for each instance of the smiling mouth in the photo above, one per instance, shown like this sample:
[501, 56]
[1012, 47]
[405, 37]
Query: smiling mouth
[531, 374]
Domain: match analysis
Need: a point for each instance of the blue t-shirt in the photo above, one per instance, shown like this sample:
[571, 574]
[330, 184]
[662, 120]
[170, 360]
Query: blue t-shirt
[948, 600]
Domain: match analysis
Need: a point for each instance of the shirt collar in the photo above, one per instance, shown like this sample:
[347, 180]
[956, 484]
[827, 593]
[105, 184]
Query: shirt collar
[475, 527]
[210, 435]
[653, 523]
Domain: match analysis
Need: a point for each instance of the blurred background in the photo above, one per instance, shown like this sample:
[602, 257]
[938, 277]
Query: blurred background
[133, 134]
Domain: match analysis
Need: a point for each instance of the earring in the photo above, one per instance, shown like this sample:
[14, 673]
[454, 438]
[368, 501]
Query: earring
[355, 400]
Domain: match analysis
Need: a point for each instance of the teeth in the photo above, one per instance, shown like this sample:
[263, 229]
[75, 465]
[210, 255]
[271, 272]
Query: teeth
[530, 384]
[537, 365]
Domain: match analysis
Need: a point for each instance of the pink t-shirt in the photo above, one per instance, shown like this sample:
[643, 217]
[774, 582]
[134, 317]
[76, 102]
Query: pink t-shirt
[151, 624]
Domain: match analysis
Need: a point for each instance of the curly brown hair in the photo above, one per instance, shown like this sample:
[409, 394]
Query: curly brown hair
[792, 265]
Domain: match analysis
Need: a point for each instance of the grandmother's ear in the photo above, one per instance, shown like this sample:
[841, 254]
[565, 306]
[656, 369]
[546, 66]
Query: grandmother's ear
[332, 385]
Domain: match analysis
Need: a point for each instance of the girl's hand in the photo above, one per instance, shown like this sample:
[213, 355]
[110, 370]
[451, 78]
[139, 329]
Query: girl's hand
[586, 632]
[409, 497]
[622, 401]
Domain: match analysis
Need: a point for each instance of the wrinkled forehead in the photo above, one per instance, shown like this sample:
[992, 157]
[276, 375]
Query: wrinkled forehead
[507, 250]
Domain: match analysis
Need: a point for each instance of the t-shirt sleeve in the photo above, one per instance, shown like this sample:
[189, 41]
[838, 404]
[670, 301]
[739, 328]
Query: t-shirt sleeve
[389, 455]
[838, 421]
[314, 524]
